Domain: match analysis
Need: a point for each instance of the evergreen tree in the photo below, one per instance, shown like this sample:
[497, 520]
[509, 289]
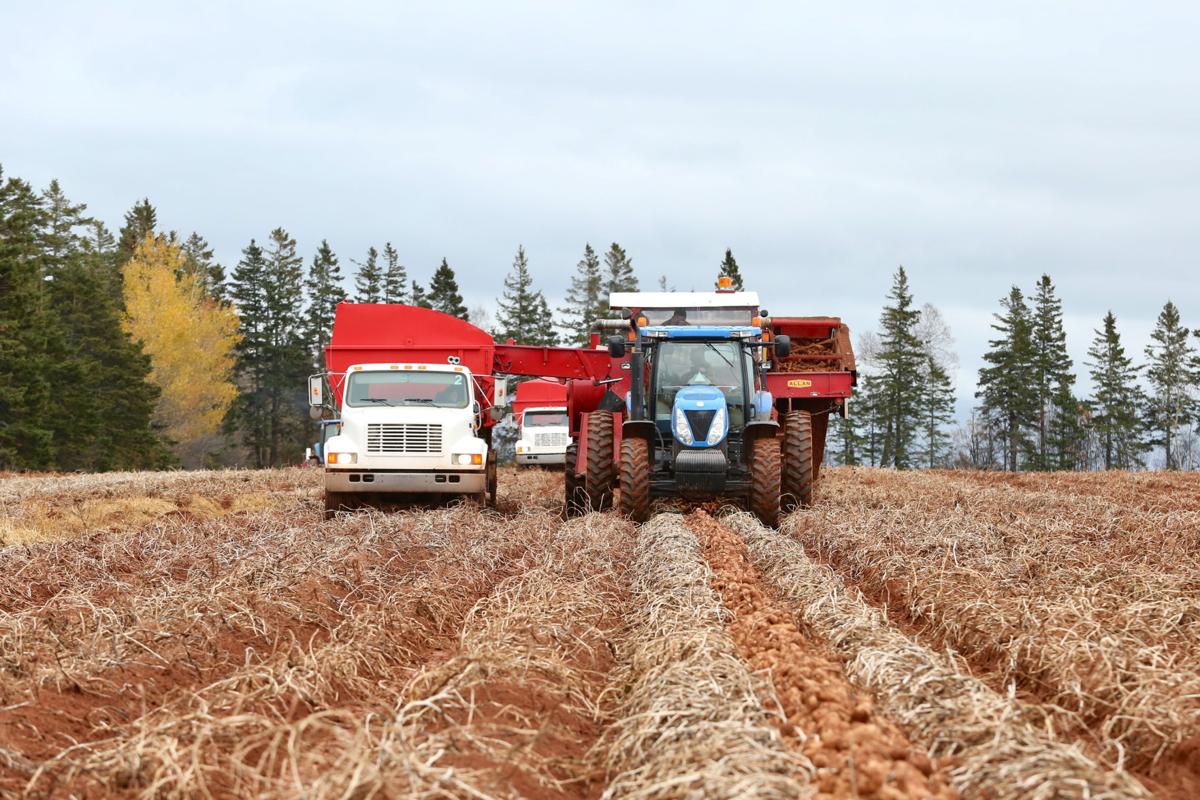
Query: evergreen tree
[522, 314]
[140, 221]
[288, 368]
[900, 362]
[1057, 432]
[1116, 399]
[324, 287]
[729, 268]
[937, 412]
[26, 325]
[1007, 384]
[368, 283]
[419, 297]
[395, 277]
[847, 439]
[872, 424]
[583, 304]
[618, 274]
[103, 404]
[208, 274]
[1172, 378]
[250, 415]
[443, 293]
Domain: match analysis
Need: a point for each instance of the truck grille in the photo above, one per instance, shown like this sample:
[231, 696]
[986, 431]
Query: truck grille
[404, 437]
[551, 440]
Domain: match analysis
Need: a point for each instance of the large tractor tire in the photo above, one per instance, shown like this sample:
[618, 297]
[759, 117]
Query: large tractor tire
[601, 476]
[635, 479]
[574, 498]
[335, 502]
[764, 480]
[798, 478]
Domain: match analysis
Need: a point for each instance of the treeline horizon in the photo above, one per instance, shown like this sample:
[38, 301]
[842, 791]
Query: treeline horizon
[140, 350]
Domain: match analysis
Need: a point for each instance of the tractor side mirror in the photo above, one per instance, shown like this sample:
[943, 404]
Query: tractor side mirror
[316, 392]
[783, 345]
[616, 347]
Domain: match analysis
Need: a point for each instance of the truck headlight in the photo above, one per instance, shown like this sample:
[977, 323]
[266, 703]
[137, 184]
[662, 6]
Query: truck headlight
[717, 429]
[683, 431]
[465, 459]
[342, 458]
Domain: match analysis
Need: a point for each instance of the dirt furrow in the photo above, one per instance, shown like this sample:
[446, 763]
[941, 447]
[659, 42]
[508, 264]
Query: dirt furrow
[950, 713]
[857, 752]
[688, 717]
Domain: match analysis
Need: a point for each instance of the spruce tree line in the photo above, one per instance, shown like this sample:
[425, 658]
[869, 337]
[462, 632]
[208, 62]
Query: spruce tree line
[904, 405]
[1029, 417]
[74, 387]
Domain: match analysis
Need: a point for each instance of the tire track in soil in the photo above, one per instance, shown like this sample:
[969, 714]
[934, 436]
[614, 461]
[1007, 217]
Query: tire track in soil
[857, 752]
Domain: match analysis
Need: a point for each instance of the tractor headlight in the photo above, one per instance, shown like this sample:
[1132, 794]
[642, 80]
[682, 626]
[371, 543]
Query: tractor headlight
[683, 431]
[716, 431]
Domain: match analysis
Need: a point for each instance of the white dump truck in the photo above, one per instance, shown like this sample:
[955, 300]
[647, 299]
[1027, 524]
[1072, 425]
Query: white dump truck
[413, 419]
[540, 408]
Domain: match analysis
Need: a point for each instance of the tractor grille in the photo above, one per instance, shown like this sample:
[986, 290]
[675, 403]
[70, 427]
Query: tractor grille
[551, 440]
[700, 421]
[404, 437]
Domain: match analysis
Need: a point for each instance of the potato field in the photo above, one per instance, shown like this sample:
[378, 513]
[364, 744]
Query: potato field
[923, 635]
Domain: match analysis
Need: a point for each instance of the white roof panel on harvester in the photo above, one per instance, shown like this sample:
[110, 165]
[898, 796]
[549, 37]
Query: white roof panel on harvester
[683, 299]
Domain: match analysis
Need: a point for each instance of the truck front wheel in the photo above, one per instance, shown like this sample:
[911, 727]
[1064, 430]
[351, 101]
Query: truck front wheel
[335, 502]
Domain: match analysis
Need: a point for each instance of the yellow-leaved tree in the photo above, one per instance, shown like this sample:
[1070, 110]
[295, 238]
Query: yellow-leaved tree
[190, 340]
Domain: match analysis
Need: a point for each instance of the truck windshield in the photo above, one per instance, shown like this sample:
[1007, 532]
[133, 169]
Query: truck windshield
[693, 363]
[435, 389]
[541, 419]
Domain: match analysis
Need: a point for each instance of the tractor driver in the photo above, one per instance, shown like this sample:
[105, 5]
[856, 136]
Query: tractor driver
[701, 371]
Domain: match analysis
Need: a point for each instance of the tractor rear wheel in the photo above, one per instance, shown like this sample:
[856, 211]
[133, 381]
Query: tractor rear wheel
[600, 473]
[797, 483]
[764, 480]
[635, 479]
[575, 499]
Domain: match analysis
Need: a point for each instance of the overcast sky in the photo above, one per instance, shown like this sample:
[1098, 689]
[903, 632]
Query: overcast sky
[978, 148]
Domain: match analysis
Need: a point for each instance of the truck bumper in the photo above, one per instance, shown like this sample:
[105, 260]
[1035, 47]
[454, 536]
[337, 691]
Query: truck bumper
[541, 458]
[446, 481]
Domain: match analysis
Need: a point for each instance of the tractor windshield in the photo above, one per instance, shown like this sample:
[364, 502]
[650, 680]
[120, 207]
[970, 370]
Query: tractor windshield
[434, 389]
[698, 363]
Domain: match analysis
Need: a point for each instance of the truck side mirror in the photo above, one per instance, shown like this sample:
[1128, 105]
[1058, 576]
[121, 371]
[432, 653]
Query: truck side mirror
[315, 412]
[616, 347]
[496, 413]
[316, 391]
[783, 345]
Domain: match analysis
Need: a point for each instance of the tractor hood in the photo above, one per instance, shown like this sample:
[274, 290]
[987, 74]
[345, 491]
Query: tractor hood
[699, 417]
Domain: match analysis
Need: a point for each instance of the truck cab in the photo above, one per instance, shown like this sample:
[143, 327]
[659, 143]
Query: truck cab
[404, 429]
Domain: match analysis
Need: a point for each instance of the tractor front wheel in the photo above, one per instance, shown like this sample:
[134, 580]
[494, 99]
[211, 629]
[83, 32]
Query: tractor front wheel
[635, 479]
[764, 480]
[797, 483]
[600, 473]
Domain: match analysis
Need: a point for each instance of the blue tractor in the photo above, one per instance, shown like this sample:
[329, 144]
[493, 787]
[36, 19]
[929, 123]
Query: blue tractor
[699, 422]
